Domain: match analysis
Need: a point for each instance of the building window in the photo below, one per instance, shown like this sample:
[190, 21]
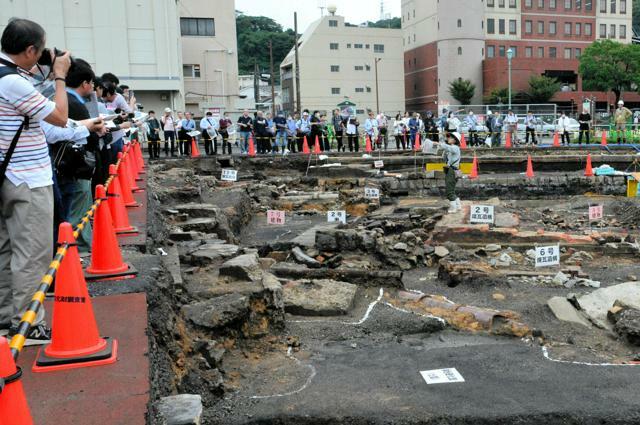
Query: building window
[359, 90]
[540, 27]
[612, 31]
[361, 68]
[567, 28]
[491, 26]
[501, 26]
[459, 23]
[501, 51]
[514, 50]
[578, 4]
[578, 29]
[588, 30]
[367, 67]
[540, 52]
[552, 4]
[578, 53]
[500, 3]
[201, 27]
[513, 26]
[623, 31]
[603, 6]
[623, 6]
[491, 51]
[567, 53]
[528, 27]
[540, 4]
[333, 46]
[512, 4]
[603, 30]
[552, 52]
[567, 4]
[490, 3]
[459, 51]
[379, 48]
[613, 6]
[349, 44]
[191, 71]
[588, 4]
[359, 46]
[335, 68]
[335, 90]
[333, 23]
[528, 52]
[359, 111]
[414, 39]
[368, 89]
[528, 4]
[552, 27]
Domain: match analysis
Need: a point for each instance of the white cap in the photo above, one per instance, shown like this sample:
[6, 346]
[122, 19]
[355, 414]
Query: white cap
[489, 112]
[167, 110]
[456, 135]
[620, 102]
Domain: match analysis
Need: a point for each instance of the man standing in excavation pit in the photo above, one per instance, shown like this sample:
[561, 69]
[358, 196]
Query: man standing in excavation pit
[451, 156]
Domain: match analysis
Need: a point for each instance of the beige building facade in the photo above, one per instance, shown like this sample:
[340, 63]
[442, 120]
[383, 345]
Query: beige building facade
[338, 64]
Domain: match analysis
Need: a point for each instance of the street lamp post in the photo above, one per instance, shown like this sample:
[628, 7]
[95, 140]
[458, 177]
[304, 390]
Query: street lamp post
[509, 57]
[377, 96]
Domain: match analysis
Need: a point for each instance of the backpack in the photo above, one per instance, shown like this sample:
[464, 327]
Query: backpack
[10, 69]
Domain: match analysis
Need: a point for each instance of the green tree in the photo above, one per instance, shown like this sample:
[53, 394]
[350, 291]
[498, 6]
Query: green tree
[541, 88]
[607, 65]
[462, 90]
[497, 96]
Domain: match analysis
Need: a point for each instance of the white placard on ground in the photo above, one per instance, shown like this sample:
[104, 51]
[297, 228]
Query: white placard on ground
[482, 214]
[229, 175]
[333, 216]
[547, 256]
[371, 193]
[596, 212]
[441, 376]
[275, 217]
[378, 164]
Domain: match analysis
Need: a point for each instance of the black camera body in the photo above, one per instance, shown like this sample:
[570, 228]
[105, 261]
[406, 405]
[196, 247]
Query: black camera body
[47, 59]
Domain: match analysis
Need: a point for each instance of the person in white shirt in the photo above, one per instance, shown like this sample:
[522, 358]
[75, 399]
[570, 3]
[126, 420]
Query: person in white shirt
[511, 121]
[563, 129]
[399, 132]
[169, 130]
[209, 133]
[180, 134]
[383, 138]
[371, 128]
[530, 128]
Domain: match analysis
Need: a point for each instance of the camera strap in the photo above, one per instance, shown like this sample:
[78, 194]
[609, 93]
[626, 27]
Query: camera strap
[10, 69]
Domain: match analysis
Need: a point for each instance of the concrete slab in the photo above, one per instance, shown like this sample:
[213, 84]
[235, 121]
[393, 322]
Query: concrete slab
[563, 310]
[596, 304]
[116, 394]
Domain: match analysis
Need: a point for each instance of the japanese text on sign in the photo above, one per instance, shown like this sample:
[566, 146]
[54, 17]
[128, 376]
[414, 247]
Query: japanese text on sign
[547, 256]
[481, 214]
[229, 175]
[333, 216]
[596, 212]
[378, 164]
[371, 193]
[275, 217]
[441, 376]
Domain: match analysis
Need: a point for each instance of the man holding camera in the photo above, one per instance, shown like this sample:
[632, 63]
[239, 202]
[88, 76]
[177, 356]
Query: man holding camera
[26, 193]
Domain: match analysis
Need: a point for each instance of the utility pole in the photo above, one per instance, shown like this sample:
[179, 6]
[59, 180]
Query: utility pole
[256, 84]
[377, 96]
[273, 80]
[297, 76]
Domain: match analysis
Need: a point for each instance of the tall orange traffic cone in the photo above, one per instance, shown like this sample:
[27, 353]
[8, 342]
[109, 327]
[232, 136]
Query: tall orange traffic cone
[131, 164]
[529, 172]
[416, 145]
[136, 160]
[106, 259]
[507, 143]
[14, 409]
[367, 145]
[140, 157]
[604, 138]
[463, 141]
[195, 153]
[116, 206]
[252, 147]
[305, 146]
[316, 146]
[556, 140]
[125, 184]
[130, 172]
[588, 171]
[474, 168]
[75, 340]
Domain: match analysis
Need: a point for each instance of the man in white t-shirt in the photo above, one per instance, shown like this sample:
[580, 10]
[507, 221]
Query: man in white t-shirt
[26, 194]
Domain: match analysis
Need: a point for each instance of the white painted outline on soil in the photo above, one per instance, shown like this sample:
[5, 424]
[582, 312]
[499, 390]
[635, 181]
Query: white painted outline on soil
[545, 353]
[429, 316]
[359, 322]
[302, 388]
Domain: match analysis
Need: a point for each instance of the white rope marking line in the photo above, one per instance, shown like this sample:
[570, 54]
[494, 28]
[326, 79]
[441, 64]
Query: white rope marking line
[302, 388]
[429, 316]
[546, 355]
[359, 322]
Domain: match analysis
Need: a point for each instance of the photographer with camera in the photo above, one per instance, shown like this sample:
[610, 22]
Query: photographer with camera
[117, 104]
[26, 192]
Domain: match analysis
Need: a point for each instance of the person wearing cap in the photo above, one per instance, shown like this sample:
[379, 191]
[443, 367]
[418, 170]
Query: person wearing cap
[620, 118]
[304, 128]
[451, 157]
[153, 135]
[169, 129]
[209, 134]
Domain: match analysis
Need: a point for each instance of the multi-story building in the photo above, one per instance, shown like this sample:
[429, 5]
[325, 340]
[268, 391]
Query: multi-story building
[470, 39]
[340, 62]
[135, 40]
[209, 55]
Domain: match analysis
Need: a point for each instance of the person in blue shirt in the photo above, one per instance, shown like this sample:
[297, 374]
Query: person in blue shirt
[292, 131]
[304, 129]
[280, 123]
[414, 126]
[188, 125]
[472, 123]
[270, 142]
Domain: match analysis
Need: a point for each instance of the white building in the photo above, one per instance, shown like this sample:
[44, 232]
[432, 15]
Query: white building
[338, 63]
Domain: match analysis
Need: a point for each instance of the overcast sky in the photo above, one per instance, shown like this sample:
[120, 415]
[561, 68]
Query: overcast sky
[354, 11]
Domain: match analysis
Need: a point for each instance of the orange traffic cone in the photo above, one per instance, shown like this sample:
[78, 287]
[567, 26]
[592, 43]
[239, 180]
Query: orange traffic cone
[129, 171]
[416, 146]
[463, 141]
[556, 140]
[316, 146]
[367, 146]
[125, 185]
[474, 168]
[75, 339]
[529, 172]
[116, 206]
[305, 146]
[14, 409]
[252, 147]
[133, 151]
[588, 171]
[604, 138]
[106, 259]
[195, 153]
[507, 143]
[139, 157]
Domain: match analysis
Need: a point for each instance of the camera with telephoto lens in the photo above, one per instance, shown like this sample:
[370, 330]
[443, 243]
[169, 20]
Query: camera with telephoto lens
[47, 59]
